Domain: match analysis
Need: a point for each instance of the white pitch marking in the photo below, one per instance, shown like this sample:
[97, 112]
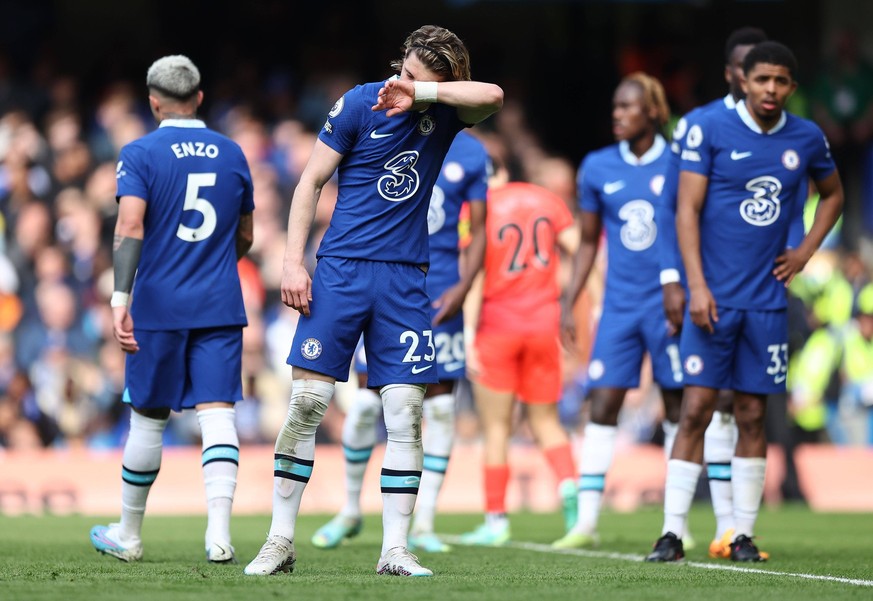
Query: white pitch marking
[539, 548]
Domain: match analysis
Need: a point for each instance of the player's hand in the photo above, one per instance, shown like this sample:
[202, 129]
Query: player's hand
[396, 96]
[702, 308]
[296, 288]
[674, 305]
[789, 264]
[568, 328]
[449, 303]
[122, 328]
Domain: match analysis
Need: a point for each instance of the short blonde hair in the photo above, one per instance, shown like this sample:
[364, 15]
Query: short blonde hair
[438, 49]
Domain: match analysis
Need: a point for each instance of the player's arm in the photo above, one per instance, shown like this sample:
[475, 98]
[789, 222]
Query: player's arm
[828, 211]
[296, 284]
[126, 252]
[583, 260]
[689, 204]
[474, 100]
[669, 257]
[245, 235]
[452, 300]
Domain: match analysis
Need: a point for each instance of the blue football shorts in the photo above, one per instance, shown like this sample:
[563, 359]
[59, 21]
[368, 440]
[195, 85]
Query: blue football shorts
[387, 303]
[448, 338]
[183, 368]
[748, 351]
[623, 338]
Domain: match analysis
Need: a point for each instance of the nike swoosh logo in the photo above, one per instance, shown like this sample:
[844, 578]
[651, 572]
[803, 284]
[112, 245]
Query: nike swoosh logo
[613, 187]
[453, 365]
[736, 156]
[418, 370]
[376, 136]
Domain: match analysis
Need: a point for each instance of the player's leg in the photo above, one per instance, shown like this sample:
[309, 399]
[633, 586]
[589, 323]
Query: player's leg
[616, 360]
[437, 440]
[400, 353]
[439, 431]
[707, 359]
[718, 451]
[760, 369]
[358, 439]
[215, 362]
[337, 312]
[495, 414]
[748, 467]
[598, 448]
[667, 372]
[494, 389]
[154, 383]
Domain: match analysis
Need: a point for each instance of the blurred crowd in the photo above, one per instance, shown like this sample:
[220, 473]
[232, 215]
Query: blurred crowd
[62, 374]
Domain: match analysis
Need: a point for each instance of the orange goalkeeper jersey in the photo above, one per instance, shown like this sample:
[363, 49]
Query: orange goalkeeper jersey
[521, 259]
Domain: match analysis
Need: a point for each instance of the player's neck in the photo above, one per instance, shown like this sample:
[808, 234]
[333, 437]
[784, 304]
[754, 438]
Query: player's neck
[642, 144]
[171, 115]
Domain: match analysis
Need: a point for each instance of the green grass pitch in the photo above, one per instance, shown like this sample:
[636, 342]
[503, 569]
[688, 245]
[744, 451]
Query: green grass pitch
[814, 556]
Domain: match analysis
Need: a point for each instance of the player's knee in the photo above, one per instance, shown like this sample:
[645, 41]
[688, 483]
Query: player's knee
[605, 406]
[309, 400]
[365, 408]
[440, 408]
[402, 404]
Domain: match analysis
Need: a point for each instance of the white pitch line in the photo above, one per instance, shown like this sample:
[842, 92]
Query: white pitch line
[540, 548]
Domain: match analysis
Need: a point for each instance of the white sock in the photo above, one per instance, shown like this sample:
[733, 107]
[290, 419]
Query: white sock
[401, 468]
[718, 450]
[295, 452]
[682, 477]
[670, 430]
[140, 464]
[439, 434]
[220, 460]
[748, 481]
[496, 521]
[359, 438]
[598, 447]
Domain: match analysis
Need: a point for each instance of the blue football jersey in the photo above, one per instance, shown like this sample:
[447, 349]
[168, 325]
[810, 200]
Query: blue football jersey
[386, 175]
[196, 183]
[625, 191]
[668, 243]
[464, 177]
[755, 182]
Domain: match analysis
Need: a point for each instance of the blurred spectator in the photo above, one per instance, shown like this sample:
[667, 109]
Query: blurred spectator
[842, 104]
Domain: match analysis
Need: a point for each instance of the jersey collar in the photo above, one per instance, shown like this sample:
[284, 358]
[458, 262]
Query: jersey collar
[729, 102]
[182, 123]
[650, 156]
[744, 114]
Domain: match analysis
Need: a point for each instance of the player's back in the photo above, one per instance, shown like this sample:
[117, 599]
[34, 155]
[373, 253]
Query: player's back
[196, 183]
[522, 258]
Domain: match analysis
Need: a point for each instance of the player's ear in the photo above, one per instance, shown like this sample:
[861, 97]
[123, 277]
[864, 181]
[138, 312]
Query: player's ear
[199, 97]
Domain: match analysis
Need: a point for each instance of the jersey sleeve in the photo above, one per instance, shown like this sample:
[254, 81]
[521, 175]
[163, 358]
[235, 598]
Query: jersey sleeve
[480, 170]
[696, 153]
[588, 190]
[669, 256]
[561, 215]
[131, 173]
[821, 163]
[344, 121]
